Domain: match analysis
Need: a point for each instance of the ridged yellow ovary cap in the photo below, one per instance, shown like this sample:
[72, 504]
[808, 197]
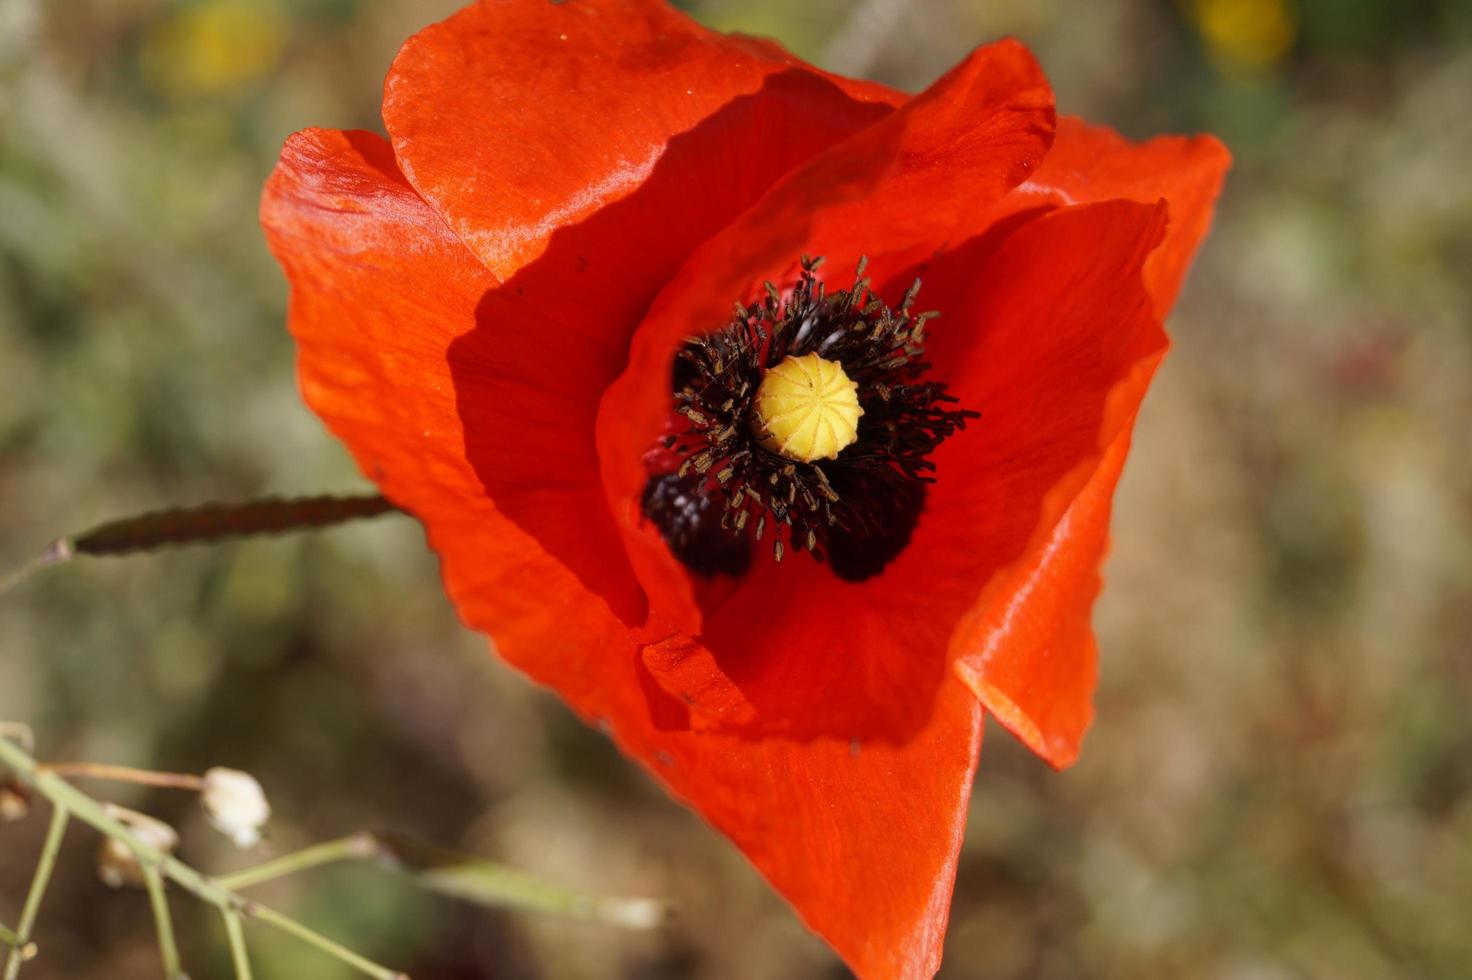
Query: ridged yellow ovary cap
[807, 409]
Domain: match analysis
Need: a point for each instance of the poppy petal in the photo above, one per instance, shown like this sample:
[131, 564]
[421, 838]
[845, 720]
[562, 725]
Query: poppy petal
[516, 118]
[1044, 696]
[379, 289]
[1033, 659]
[903, 188]
[550, 339]
[1052, 336]
[862, 838]
[526, 155]
[1094, 163]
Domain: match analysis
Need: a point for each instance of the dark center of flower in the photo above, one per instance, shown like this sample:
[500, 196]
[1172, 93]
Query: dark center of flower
[803, 418]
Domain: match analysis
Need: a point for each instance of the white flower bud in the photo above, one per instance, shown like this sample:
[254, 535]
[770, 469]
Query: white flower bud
[235, 804]
[117, 865]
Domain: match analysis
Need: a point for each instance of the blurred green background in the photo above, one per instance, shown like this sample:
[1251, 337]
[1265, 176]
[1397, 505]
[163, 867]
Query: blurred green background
[1279, 784]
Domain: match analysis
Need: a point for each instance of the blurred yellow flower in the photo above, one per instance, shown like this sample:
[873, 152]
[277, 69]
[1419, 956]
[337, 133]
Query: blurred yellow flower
[1246, 33]
[210, 48]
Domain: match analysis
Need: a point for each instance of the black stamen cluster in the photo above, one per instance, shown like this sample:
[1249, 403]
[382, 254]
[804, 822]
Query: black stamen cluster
[713, 488]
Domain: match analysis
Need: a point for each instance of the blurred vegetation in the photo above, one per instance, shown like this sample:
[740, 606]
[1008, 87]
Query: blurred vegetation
[1278, 785]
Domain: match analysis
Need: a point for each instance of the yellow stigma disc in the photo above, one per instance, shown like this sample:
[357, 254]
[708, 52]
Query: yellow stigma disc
[807, 409]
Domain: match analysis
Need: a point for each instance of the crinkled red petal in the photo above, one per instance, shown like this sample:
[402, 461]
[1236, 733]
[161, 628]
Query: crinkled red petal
[903, 189]
[1094, 163]
[862, 838]
[1028, 649]
[520, 117]
[582, 151]
[1052, 336]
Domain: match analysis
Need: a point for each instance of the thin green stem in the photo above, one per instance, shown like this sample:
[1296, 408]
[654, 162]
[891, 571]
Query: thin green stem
[458, 875]
[322, 942]
[348, 848]
[44, 866]
[236, 937]
[26, 951]
[9, 937]
[18, 947]
[486, 883]
[167, 947]
[59, 552]
[434, 869]
[67, 797]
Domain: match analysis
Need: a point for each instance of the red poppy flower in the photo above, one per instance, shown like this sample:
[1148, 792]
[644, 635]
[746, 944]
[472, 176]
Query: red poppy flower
[517, 311]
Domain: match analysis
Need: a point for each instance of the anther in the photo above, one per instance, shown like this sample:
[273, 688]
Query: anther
[767, 413]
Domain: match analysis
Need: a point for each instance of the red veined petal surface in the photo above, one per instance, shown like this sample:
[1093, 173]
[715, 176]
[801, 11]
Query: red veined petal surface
[514, 118]
[582, 150]
[1053, 337]
[1024, 641]
[1041, 687]
[1094, 163]
[812, 655]
[381, 289]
